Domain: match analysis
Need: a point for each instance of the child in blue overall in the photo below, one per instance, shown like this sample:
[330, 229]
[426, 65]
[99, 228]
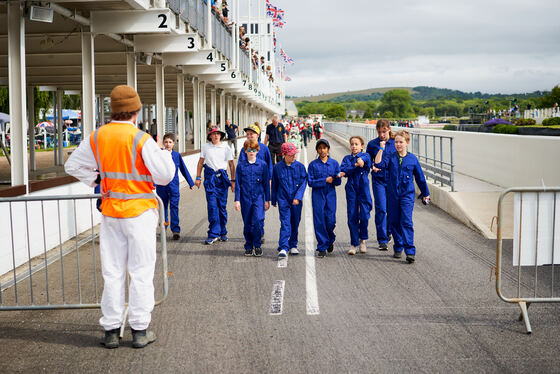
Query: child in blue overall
[403, 168]
[323, 178]
[253, 133]
[170, 194]
[356, 167]
[379, 181]
[289, 180]
[252, 196]
[215, 157]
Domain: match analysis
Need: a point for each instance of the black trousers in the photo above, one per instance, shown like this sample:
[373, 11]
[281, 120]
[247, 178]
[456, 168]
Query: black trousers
[275, 152]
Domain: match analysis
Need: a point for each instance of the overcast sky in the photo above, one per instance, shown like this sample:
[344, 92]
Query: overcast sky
[470, 45]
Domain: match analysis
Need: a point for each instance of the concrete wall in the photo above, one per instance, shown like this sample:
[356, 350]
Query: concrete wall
[505, 160]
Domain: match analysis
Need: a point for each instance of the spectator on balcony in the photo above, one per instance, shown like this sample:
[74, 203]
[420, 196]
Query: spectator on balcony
[262, 63]
[225, 12]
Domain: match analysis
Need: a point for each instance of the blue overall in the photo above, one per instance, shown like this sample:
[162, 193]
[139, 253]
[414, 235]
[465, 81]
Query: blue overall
[288, 183]
[358, 197]
[323, 199]
[252, 190]
[379, 187]
[216, 184]
[170, 194]
[401, 196]
[262, 154]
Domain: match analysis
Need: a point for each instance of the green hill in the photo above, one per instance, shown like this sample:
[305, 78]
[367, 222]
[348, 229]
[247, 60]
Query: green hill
[341, 96]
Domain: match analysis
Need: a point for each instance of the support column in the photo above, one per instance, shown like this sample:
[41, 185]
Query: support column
[235, 117]
[229, 114]
[88, 85]
[100, 113]
[59, 125]
[222, 110]
[181, 111]
[209, 25]
[196, 114]
[131, 69]
[203, 113]
[213, 106]
[160, 100]
[31, 126]
[16, 89]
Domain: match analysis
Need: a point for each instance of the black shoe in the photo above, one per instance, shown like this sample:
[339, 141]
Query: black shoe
[262, 240]
[397, 254]
[331, 248]
[248, 252]
[382, 246]
[141, 338]
[111, 339]
[321, 254]
[258, 252]
[223, 238]
[410, 259]
[176, 236]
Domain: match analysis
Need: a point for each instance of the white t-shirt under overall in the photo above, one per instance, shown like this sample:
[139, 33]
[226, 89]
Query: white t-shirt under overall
[216, 157]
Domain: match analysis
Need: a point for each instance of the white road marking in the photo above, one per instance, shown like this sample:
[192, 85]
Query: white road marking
[312, 298]
[277, 298]
[283, 262]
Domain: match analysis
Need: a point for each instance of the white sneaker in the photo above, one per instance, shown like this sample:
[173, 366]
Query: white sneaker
[294, 251]
[282, 253]
[353, 250]
[363, 247]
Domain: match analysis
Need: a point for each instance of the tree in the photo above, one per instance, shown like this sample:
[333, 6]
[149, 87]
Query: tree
[551, 98]
[396, 101]
[336, 111]
[388, 114]
[367, 113]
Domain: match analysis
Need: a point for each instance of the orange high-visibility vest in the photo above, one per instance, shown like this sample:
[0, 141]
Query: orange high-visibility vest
[117, 147]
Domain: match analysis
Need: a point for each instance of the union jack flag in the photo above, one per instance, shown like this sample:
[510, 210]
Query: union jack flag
[278, 23]
[285, 56]
[287, 79]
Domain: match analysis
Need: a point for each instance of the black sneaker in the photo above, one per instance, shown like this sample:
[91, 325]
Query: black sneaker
[223, 238]
[141, 338]
[176, 236]
[248, 252]
[331, 248]
[258, 252]
[397, 254]
[111, 339]
[321, 254]
[382, 246]
[410, 259]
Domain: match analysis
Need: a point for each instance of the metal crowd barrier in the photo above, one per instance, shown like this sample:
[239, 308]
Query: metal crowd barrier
[535, 248]
[436, 165]
[66, 275]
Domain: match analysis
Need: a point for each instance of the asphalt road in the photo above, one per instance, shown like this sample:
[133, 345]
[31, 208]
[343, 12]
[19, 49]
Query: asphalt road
[340, 314]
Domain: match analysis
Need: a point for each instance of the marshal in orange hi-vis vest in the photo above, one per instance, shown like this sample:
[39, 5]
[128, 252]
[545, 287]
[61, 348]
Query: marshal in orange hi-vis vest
[117, 147]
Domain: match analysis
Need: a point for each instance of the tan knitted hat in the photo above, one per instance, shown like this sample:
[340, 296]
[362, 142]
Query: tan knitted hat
[124, 99]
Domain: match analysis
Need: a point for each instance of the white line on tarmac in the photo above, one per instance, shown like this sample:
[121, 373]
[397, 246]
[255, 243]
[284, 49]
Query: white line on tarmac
[283, 262]
[312, 298]
[277, 298]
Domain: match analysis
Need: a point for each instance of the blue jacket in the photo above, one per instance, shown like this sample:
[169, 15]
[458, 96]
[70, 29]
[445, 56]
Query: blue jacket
[263, 154]
[401, 177]
[372, 149]
[288, 182]
[180, 165]
[318, 171]
[252, 181]
[357, 176]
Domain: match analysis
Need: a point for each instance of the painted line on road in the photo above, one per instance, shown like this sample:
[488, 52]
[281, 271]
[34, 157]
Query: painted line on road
[312, 297]
[277, 298]
[283, 262]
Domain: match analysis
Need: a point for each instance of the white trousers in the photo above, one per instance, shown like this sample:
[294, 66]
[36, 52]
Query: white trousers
[128, 242]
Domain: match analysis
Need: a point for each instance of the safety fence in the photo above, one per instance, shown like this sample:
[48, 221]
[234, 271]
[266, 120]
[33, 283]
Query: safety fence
[68, 274]
[534, 250]
[434, 152]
